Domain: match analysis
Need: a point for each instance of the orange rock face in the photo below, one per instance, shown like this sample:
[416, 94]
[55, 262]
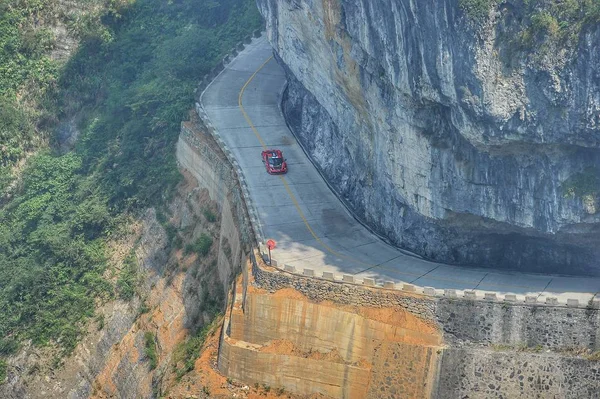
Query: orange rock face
[283, 339]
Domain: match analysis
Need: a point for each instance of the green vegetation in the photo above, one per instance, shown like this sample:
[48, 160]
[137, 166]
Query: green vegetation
[586, 183]
[128, 278]
[52, 253]
[557, 22]
[201, 245]
[150, 349]
[209, 215]
[544, 24]
[129, 86]
[27, 74]
[477, 10]
[186, 353]
[3, 370]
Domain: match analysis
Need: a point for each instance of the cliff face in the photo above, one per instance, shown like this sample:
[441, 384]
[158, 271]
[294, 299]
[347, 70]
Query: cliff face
[178, 291]
[440, 136]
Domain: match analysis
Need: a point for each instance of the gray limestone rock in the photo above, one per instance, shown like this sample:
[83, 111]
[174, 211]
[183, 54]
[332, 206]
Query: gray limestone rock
[441, 137]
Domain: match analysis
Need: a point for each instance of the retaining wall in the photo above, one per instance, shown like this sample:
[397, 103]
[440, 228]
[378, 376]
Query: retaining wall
[487, 374]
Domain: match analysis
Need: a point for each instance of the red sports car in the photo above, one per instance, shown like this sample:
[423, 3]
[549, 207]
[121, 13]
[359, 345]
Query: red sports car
[274, 161]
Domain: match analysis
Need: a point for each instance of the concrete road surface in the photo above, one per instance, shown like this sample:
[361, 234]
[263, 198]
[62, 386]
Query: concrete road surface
[311, 226]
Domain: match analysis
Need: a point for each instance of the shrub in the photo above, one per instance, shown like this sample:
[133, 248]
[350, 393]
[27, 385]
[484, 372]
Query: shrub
[209, 215]
[8, 346]
[128, 278]
[545, 24]
[201, 246]
[581, 184]
[186, 353]
[3, 371]
[150, 349]
[477, 9]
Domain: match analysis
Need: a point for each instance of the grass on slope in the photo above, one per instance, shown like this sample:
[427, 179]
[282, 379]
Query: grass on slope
[130, 84]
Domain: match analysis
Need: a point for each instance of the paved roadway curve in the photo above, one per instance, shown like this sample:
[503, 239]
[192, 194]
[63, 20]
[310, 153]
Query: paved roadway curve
[310, 225]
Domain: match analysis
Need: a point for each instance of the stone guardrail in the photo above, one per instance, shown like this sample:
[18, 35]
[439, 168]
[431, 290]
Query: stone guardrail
[428, 291]
[346, 278]
[208, 78]
[204, 83]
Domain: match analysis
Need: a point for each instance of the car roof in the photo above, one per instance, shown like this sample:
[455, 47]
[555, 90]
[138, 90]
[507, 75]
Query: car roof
[274, 153]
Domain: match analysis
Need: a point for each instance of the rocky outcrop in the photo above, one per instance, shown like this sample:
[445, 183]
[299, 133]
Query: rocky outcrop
[442, 139]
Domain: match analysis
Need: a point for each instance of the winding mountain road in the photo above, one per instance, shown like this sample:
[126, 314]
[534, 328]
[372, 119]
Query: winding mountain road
[311, 226]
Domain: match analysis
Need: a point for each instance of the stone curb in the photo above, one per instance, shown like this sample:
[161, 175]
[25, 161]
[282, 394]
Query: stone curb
[204, 83]
[471, 295]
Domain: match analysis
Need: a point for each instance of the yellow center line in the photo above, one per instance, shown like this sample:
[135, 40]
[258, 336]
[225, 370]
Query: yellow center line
[297, 205]
[284, 181]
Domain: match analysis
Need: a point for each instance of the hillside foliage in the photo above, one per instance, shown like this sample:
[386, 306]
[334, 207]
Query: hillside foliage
[559, 22]
[128, 86]
[536, 29]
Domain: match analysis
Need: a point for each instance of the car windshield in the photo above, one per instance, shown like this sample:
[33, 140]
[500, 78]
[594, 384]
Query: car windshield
[275, 162]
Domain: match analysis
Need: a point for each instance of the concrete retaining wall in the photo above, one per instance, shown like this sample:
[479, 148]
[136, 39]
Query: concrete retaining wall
[197, 153]
[296, 374]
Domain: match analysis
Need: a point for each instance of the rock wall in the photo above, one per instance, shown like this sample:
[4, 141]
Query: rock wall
[525, 326]
[390, 343]
[201, 156]
[439, 138]
[487, 374]
[182, 291]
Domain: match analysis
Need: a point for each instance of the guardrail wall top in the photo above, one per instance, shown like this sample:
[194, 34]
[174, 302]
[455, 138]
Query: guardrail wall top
[595, 304]
[552, 300]
[490, 296]
[470, 295]
[510, 298]
[572, 303]
[389, 285]
[369, 282]
[290, 268]
[429, 291]
[309, 272]
[328, 276]
[273, 262]
[450, 293]
[408, 288]
[347, 278]
[531, 299]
